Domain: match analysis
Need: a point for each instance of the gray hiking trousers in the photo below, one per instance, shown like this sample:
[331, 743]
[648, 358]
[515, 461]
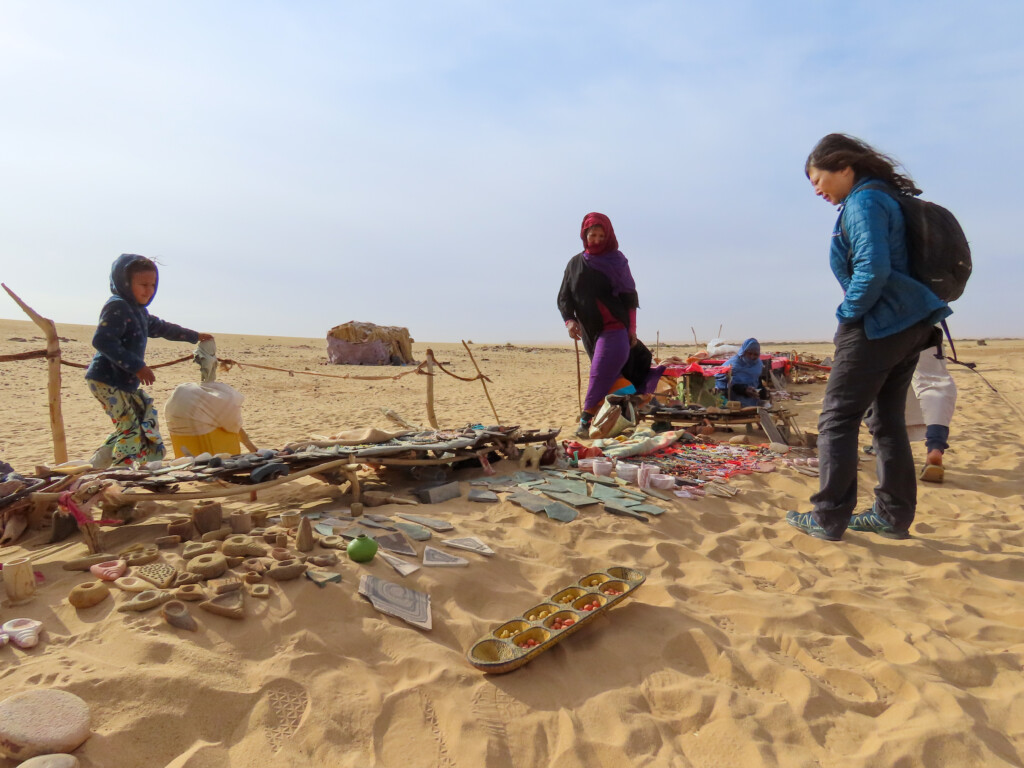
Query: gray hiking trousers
[868, 373]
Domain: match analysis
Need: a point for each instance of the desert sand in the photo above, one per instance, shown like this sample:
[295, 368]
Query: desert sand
[750, 644]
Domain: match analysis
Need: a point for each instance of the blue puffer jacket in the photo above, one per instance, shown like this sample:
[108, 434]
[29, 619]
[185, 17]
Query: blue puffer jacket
[124, 327]
[869, 259]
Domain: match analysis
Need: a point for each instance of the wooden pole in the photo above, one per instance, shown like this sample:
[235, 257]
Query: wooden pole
[694, 336]
[657, 347]
[431, 418]
[482, 381]
[579, 376]
[60, 444]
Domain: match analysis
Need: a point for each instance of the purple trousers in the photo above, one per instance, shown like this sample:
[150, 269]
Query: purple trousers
[611, 351]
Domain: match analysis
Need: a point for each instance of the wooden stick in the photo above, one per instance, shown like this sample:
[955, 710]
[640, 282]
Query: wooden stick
[484, 383]
[694, 336]
[228, 491]
[657, 347]
[579, 376]
[431, 418]
[246, 441]
[60, 444]
[720, 331]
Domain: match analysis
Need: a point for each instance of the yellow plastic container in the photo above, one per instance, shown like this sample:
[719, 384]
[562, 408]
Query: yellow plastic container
[217, 441]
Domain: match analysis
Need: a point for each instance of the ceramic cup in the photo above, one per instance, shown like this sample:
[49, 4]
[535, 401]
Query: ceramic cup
[19, 580]
[602, 467]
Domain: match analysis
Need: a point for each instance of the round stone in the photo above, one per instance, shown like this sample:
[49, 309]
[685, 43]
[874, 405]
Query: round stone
[51, 761]
[42, 722]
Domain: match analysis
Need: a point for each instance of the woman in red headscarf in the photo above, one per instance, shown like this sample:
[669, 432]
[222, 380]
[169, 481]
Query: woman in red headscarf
[598, 302]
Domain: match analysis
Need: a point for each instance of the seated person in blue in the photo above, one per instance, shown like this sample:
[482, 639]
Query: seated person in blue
[746, 369]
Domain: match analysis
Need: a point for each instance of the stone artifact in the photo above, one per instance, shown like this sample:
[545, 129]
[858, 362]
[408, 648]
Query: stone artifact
[229, 604]
[208, 566]
[207, 516]
[19, 580]
[177, 615]
[159, 575]
[143, 601]
[88, 594]
[109, 571]
[24, 633]
[42, 722]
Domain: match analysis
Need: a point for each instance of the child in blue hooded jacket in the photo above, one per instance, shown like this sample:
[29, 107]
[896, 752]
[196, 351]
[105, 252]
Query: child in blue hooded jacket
[120, 365]
[746, 368]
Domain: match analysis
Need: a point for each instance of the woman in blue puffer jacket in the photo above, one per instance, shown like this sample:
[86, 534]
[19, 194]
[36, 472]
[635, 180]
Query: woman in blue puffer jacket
[885, 319]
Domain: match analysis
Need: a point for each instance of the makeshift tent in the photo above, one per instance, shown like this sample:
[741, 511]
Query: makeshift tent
[355, 343]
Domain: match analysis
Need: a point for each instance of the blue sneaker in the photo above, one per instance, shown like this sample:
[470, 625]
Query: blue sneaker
[805, 522]
[870, 521]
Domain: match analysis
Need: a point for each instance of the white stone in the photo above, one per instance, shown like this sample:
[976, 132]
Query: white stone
[42, 722]
[51, 761]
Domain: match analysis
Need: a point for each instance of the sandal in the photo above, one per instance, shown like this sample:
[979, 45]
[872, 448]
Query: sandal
[933, 473]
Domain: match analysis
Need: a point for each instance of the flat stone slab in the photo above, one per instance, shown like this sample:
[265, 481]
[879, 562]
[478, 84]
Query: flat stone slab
[605, 492]
[430, 522]
[486, 496]
[470, 543]
[406, 604]
[531, 502]
[403, 567]
[617, 509]
[322, 578]
[43, 722]
[650, 509]
[572, 499]
[414, 532]
[397, 543]
[438, 493]
[438, 558]
[556, 510]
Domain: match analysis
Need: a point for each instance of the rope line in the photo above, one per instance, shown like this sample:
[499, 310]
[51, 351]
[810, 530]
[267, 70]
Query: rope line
[226, 365]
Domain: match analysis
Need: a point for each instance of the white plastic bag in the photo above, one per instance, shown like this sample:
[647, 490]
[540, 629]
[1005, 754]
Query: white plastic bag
[197, 409]
[719, 348]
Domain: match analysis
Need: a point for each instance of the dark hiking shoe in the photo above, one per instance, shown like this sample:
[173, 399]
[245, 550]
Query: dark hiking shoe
[870, 521]
[805, 522]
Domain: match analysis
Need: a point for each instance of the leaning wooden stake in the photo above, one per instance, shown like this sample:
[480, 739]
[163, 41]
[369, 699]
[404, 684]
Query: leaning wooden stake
[431, 418]
[657, 347]
[579, 376]
[60, 445]
[484, 382]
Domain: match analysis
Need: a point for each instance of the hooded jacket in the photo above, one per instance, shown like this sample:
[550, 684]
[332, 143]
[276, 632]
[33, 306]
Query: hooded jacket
[869, 259]
[123, 330]
[745, 373]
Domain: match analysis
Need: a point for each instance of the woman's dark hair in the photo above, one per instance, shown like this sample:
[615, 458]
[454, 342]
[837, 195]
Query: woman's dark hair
[837, 151]
[140, 264]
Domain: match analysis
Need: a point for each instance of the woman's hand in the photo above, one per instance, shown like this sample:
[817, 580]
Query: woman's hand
[206, 337]
[574, 328]
[146, 375]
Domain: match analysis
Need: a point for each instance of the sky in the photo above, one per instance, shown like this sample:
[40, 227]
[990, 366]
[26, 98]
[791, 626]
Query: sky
[296, 165]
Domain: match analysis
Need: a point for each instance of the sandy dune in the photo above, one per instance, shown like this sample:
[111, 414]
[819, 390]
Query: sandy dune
[749, 645]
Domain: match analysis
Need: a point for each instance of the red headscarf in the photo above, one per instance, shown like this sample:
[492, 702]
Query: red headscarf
[599, 219]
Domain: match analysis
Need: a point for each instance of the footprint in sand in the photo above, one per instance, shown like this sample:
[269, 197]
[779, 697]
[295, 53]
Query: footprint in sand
[288, 704]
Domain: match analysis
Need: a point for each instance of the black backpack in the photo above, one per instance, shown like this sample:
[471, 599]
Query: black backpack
[939, 254]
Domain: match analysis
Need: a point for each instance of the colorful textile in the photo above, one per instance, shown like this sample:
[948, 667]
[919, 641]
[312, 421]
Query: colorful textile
[609, 260]
[136, 436]
[708, 461]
